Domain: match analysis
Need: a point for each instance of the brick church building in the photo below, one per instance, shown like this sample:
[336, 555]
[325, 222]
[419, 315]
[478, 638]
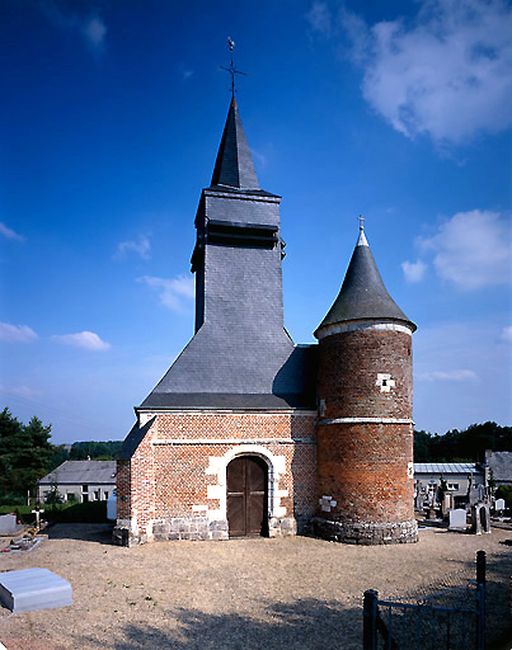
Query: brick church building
[249, 433]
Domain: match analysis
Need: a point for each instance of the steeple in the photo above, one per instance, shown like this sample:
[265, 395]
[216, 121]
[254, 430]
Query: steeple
[363, 295]
[234, 166]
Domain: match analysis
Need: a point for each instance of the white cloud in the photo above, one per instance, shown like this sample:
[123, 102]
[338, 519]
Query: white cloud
[446, 73]
[174, 293]
[20, 391]
[506, 333]
[94, 31]
[85, 339]
[448, 375]
[472, 250]
[8, 233]
[90, 27]
[17, 333]
[462, 373]
[414, 271]
[319, 17]
[140, 246]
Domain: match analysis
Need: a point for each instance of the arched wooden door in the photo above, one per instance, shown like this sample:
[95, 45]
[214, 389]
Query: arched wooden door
[247, 479]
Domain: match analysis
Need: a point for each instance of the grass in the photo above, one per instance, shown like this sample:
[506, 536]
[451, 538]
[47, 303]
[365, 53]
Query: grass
[94, 512]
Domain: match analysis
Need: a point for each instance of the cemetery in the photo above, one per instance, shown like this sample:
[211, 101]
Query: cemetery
[177, 595]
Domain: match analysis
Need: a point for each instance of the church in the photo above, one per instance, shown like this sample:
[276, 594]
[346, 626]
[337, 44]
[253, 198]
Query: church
[249, 433]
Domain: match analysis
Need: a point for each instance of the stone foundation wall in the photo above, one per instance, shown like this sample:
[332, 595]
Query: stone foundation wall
[405, 532]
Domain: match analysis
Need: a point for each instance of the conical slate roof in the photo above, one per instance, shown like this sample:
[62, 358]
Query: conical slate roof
[363, 295]
[234, 166]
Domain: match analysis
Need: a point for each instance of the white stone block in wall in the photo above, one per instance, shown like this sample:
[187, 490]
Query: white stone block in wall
[216, 491]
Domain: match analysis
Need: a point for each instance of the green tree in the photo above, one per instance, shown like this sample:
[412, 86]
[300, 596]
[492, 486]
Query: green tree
[466, 445]
[95, 450]
[25, 452]
[422, 444]
[11, 432]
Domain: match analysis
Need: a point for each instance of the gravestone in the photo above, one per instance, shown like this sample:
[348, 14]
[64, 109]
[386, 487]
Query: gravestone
[30, 589]
[481, 518]
[499, 505]
[457, 519]
[8, 525]
[447, 504]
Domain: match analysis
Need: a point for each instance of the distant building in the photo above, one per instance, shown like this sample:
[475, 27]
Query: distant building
[80, 480]
[499, 467]
[465, 481]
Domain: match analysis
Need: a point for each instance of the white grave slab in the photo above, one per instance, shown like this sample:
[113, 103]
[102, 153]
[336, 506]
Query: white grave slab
[30, 589]
[499, 504]
[8, 525]
[457, 519]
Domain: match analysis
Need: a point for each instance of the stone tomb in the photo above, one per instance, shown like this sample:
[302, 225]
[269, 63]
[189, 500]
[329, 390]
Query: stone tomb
[30, 589]
[8, 525]
[499, 505]
[457, 519]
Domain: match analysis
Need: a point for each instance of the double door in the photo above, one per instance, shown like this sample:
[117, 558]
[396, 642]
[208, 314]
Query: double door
[247, 492]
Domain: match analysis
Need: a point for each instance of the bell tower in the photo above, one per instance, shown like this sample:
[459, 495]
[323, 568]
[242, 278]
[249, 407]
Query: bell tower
[365, 427]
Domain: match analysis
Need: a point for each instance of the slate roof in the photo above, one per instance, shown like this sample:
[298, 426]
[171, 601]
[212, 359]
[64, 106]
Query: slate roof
[133, 439]
[244, 370]
[363, 294]
[446, 468]
[500, 462]
[82, 471]
[234, 166]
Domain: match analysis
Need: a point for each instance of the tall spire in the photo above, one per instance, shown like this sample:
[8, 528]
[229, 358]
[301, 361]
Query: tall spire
[363, 295]
[234, 166]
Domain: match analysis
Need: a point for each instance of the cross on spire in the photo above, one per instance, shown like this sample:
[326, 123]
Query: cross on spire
[361, 220]
[231, 68]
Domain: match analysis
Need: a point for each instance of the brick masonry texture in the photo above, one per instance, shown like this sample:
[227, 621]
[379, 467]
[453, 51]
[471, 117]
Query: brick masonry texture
[349, 364]
[164, 491]
[363, 466]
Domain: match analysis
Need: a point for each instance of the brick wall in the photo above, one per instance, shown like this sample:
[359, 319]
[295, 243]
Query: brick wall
[365, 468]
[176, 472]
[365, 437]
[349, 365]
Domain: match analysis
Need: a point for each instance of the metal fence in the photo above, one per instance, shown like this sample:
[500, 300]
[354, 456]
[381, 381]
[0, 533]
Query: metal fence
[451, 616]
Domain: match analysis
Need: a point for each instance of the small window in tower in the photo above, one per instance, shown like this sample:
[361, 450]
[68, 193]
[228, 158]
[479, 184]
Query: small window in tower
[385, 382]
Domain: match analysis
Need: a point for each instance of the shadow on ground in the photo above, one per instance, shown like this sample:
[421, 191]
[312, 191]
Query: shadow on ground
[98, 533]
[317, 624]
[307, 623]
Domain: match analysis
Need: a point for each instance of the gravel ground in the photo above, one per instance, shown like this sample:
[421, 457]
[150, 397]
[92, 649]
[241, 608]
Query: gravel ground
[253, 593]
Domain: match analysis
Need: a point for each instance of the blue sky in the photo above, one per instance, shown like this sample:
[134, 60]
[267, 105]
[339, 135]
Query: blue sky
[111, 116]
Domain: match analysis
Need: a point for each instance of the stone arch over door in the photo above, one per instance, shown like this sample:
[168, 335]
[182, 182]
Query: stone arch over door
[217, 488]
[247, 496]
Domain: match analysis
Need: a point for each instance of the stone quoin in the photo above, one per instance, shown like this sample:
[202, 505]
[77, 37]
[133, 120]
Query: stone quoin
[249, 433]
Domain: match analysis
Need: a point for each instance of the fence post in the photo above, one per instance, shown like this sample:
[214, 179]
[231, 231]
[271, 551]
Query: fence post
[480, 599]
[370, 612]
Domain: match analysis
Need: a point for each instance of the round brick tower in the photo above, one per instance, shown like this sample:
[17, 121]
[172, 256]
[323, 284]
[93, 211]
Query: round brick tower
[365, 428]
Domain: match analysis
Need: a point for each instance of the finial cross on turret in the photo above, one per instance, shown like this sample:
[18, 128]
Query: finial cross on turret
[231, 68]
[361, 220]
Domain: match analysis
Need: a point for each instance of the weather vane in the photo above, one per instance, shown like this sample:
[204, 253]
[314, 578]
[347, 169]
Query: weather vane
[231, 68]
[360, 218]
